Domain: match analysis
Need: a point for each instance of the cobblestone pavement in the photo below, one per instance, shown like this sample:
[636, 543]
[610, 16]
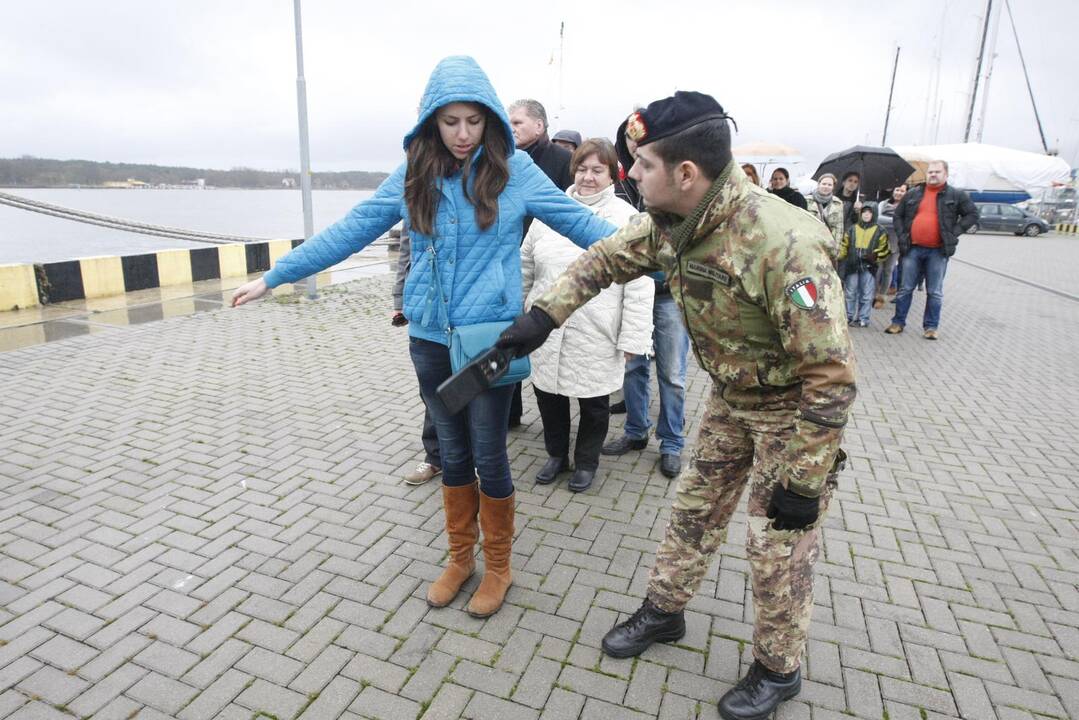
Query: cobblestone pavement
[202, 517]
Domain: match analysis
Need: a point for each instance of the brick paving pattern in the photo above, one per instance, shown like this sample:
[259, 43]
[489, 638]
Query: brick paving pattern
[203, 518]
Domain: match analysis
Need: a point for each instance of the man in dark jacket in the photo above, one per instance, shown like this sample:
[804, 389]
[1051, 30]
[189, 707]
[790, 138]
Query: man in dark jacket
[529, 121]
[928, 223]
[781, 186]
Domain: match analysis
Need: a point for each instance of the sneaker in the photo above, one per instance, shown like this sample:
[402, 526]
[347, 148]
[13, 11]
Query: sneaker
[893, 329]
[863, 323]
[878, 302]
[423, 472]
[931, 334]
[623, 445]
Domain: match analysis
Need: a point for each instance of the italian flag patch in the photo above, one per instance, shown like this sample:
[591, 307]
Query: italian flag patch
[803, 293]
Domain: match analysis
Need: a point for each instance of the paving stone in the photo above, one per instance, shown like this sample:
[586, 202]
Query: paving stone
[271, 699]
[271, 637]
[102, 692]
[488, 707]
[318, 673]
[217, 696]
[52, 685]
[646, 687]
[332, 700]
[166, 659]
[429, 677]
[64, 653]
[375, 703]
[593, 684]
[601, 710]
[161, 693]
[38, 711]
[484, 679]
[449, 703]
[216, 663]
[970, 696]
[372, 671]
[273, 667]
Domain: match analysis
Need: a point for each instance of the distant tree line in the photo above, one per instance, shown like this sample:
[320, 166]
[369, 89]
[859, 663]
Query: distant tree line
[41, 172]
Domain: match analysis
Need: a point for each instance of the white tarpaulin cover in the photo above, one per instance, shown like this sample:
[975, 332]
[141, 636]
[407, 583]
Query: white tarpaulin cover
[974, 166]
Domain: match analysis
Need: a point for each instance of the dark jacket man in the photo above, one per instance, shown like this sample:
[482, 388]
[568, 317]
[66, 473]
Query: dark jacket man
[955, 211]
[552, 159]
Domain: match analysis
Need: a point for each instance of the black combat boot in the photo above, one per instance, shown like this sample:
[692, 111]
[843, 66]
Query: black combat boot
[646, 626]
[758, 694]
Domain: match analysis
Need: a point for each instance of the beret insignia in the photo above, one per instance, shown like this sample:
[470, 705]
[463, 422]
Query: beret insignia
[636, 130]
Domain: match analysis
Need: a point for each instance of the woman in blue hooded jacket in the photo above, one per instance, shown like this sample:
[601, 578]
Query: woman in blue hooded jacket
[464, 192]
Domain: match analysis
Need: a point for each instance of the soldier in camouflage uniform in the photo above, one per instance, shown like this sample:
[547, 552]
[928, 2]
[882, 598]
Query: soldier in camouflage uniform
[765, 312]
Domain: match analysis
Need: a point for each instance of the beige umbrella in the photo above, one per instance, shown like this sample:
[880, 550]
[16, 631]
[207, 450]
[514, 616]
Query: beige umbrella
[763, 154]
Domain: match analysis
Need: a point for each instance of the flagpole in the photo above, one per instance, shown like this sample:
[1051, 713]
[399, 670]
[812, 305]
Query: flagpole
[305, 152]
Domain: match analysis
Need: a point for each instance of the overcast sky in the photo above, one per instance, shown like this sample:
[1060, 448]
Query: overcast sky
[213, 84]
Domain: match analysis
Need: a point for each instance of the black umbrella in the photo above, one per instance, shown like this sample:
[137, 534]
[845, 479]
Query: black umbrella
[881, 168]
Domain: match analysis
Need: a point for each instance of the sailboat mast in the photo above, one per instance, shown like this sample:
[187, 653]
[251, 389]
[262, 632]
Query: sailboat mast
[978, 70]
[891, 92]
[1037, 118]
[993, 35]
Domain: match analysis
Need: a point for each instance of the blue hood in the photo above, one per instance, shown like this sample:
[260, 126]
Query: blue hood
[459, 78]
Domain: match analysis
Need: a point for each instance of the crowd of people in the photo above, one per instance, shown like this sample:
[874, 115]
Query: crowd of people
[595, 258]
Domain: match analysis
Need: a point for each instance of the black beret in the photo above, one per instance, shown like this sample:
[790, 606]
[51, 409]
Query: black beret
[672, 115]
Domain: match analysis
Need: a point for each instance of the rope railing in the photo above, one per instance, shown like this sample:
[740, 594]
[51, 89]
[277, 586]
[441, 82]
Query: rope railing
[132, 226]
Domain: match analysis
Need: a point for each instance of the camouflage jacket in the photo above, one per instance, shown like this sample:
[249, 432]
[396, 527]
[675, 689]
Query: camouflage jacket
[832, 217]
[761, 302]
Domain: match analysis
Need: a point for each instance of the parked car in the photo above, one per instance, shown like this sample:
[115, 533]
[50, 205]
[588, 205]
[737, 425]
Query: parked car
[1002, 217]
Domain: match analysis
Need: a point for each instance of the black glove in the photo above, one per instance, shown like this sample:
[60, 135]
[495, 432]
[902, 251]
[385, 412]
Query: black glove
[792, 511]
[527, 333]
[398, 319]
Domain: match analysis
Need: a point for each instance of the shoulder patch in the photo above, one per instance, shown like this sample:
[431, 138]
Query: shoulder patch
[707, 271]
[803, 293]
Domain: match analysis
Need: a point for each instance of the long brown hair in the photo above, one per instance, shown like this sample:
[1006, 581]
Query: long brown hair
[429, 160]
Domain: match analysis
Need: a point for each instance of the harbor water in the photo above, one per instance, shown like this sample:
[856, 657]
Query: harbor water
[28, 237]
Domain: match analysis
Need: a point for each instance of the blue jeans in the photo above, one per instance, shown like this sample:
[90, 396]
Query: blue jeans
[474, 440]
[932, 264]
[671, 345]
[858, 288]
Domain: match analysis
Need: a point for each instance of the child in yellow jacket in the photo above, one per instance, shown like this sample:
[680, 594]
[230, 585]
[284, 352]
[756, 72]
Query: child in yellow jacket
[863, 248]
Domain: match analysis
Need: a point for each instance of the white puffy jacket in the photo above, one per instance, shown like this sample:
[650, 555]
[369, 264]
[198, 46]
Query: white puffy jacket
[584, 357]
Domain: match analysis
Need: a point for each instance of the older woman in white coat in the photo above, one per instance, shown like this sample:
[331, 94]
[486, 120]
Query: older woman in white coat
[585, 358]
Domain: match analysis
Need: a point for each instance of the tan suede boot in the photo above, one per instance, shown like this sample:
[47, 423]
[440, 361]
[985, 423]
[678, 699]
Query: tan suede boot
[496, 520]
[461, 505]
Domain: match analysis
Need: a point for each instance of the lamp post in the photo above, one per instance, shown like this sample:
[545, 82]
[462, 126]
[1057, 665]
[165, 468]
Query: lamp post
[305, 152]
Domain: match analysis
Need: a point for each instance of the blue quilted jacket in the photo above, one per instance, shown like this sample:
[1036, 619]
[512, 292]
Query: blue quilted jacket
[479, 271]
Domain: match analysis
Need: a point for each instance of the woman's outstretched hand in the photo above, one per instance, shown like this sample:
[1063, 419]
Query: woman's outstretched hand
[249, 291]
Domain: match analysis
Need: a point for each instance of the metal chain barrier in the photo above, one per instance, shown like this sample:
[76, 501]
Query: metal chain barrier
[132, 226]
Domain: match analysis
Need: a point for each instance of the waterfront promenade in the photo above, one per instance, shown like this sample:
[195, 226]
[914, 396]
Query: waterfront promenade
[201, 517]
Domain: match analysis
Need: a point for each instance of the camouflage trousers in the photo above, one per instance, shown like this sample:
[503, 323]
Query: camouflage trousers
[741, 436]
